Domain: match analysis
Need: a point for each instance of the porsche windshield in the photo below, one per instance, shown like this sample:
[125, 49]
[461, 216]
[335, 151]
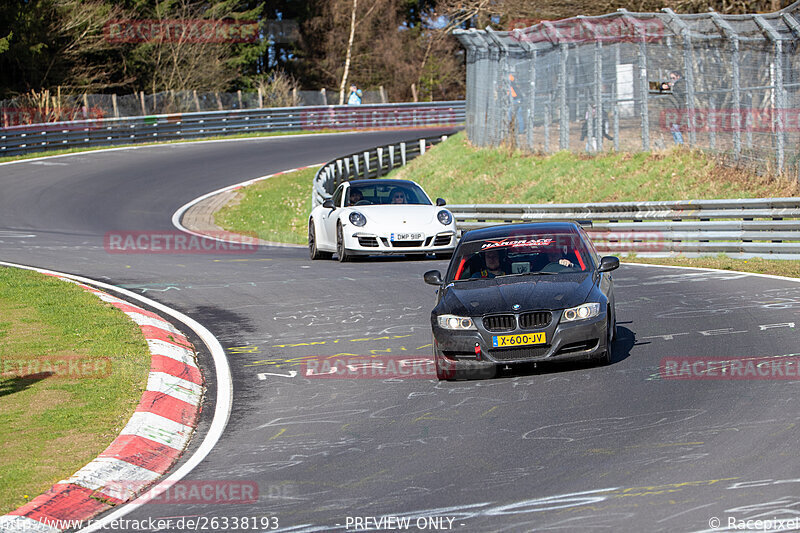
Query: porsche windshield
[519, 255]
[387, 193]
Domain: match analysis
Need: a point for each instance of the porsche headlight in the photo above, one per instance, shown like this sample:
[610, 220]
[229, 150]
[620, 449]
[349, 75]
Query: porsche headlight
[455, 322]
[581, 312]
[357, 219]
[445, 217]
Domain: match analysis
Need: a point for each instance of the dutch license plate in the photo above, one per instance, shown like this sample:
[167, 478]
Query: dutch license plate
[527, 339]
[406, 236]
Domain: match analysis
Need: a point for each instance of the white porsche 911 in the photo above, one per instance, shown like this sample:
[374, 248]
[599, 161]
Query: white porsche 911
[380, 216]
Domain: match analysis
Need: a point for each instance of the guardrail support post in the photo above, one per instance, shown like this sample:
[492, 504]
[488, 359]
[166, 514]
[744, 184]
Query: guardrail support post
[380, 160]
[421, 146]
[403, 154]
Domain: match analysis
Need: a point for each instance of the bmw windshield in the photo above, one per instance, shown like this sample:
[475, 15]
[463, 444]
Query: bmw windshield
[520, 255]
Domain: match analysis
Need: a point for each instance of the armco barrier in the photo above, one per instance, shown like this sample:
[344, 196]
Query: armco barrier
[759, 227]
[18, 140]
[366, 164]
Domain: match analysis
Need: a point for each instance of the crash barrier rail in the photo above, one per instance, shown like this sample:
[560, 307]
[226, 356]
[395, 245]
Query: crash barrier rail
[372, 163]
[760, 227]
[17, 140]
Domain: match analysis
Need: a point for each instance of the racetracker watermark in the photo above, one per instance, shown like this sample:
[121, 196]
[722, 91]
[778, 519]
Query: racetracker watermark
[22, 116]
[226, 492]
[613, 30]
[208, 31]
[730, 120]
[68, 367]
[785, 367]
[177, 242]
[633, 241]
[388, 367]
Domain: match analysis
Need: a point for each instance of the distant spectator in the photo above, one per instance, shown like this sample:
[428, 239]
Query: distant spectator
[678, 86]
[355, 95]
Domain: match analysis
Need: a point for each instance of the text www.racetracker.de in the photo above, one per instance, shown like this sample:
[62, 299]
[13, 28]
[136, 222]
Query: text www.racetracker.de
[196, 523]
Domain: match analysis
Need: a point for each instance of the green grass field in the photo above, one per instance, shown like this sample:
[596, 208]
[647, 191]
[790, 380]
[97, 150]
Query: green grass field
[277, 209]
[55, 418]
[463, 174]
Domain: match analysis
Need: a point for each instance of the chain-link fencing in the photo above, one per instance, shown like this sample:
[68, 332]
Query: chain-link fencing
[641, 81]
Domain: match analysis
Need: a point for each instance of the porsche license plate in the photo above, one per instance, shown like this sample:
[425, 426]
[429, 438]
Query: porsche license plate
[406, 236]
[526, 339]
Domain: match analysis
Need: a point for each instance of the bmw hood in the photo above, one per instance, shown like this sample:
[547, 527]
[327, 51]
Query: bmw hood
[399, 215]
[532, 292]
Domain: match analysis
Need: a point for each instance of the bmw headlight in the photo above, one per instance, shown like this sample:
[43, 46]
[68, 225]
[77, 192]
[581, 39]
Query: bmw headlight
[357, 219]
[455, 322]
[581, 312]
[445, 217]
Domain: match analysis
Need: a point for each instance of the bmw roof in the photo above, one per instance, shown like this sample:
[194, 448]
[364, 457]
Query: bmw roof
[531, 228]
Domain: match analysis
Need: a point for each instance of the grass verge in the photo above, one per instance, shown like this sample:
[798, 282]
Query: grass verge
[72, 370]
[463, 174]
[277, 209]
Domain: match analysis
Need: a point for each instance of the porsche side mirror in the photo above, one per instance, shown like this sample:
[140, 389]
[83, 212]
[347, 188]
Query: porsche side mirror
[440, 202]
[433, 277]
[328, 204]
[608, 263]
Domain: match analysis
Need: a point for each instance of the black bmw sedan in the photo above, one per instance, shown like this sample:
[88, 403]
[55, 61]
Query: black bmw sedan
[522, 293]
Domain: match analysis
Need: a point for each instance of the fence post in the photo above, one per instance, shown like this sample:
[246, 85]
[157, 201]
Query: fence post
[197, 100]
[563, 116]
[616, 97]
[778, 91]
[114, 104]
[712, 132]
[239, 96]
[688, 71]
[643, 83]
[531, 114]
[731, 35]
[547, 118]
[141, 99]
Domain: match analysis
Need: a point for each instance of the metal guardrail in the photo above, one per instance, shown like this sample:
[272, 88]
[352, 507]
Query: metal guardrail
[372, 163]
[740, 228]
[760, 227]
[17, 140]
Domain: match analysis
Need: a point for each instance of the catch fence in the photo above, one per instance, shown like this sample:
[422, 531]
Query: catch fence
[729, 84]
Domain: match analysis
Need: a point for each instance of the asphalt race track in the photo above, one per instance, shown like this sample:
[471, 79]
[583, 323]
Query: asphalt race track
[578, 448]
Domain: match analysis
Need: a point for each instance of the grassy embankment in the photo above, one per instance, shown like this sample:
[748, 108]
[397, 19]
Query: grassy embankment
[277, 209]
[72, 370]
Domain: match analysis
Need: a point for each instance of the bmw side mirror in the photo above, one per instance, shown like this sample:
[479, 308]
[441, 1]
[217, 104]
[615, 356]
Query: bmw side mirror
[440, 202]
[328, 204]
[432, 277]
[608, 263]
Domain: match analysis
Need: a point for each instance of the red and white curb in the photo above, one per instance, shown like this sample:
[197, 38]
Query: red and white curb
[154, 438]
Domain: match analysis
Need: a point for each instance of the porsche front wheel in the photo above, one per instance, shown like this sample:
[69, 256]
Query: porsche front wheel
[341, 251]
[313, 251]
